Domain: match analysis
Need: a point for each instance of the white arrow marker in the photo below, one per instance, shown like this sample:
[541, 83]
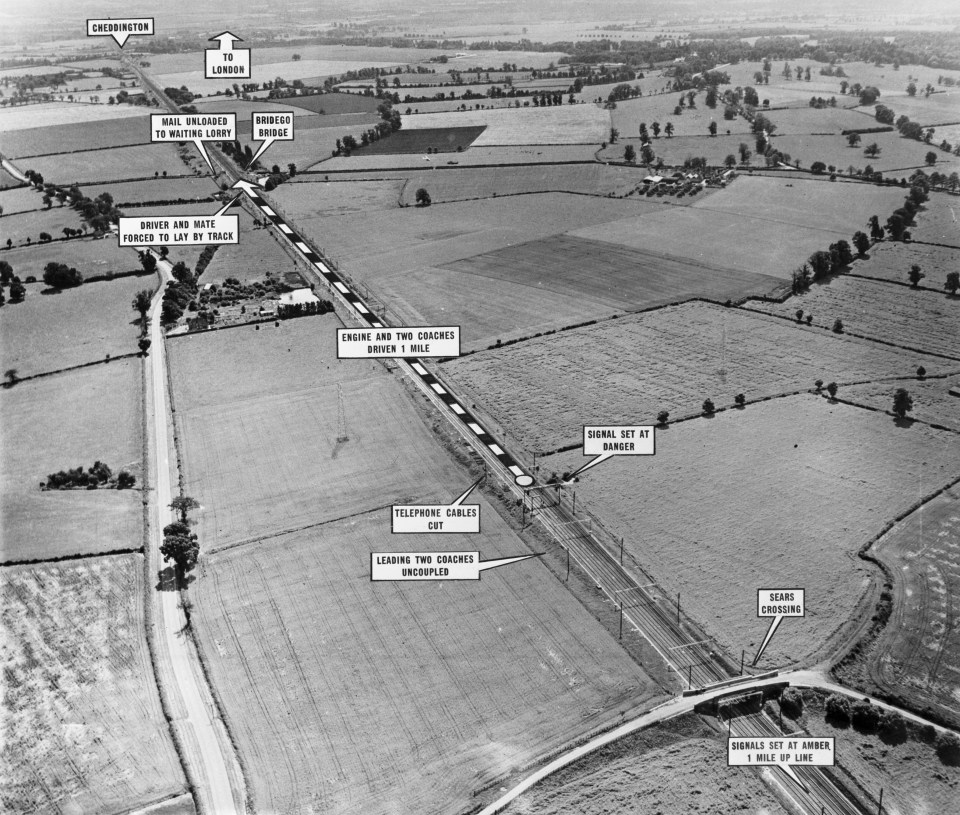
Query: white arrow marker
[226, 62]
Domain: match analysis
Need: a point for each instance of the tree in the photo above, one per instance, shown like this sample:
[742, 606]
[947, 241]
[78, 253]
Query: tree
[11, 376]
[423, 197]
[837, 326]
[646, 154]
[896, 227]
[791, 702]
[861, 242]
[912, 89]
[750, 97]
[876, 231]
[820, 264]
[183, 550]
[730, 161]
[144, 345]
[818, 168]
[614, 135]
[915, 275]
[141, 303]
[662, 417]
[183, 504]
[799, 283]
[853, 139]
[837, 705]
[655, 127]
[668, 129]
[17, 291]
[952, 285]
[708, 407]
[872, 150]
[832, 389]
[931, 158]
[6, 273]
[292, 170]
[744, 152]
[948, 748]
[629, 154]
[740, 400]
[712, 128]
[865, 717]
[148, 261]
[902, 403]
[60, 276]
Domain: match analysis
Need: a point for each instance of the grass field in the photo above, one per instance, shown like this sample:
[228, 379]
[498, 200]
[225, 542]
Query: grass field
[490, 182]
[830, 476]
[478, 156]
[47, 332]
[334, 103]
[83, 728]
[892, 260]
[442, 139]
[30, 224]
[162, 189]
[58, 113]
[627, 370]
[678, 766]
[568, 124]
[20, 199]
[897, 155]
[58, 138]
[659, 108]
[922, 320]
[256, 254]
[407, 696]
[674, 151]
[939, 222]
[90, 257]
[807, 121]
[121, 163]
[62, 422]
[340, 196]
[786, 221]
[938, 108]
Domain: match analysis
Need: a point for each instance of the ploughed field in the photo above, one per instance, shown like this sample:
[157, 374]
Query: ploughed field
[782, 493]
[83, 727]
[62, 422]
[441, 139]
[932, 401]
[629, 369]
[344, 694]
[892, 260]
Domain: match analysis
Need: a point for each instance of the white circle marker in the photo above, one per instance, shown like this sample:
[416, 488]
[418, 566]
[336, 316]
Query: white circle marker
[524, 480]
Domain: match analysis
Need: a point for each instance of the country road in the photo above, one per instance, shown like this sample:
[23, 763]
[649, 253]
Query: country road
[217, 778]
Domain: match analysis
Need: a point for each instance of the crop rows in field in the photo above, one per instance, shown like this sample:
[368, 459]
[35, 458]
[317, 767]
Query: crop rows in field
[20, 198]
[47, 114]
[627, 370]
[139, 161]
[781, 493]
[932, 400]
[162, 189]
[939, 221]
[83, 728]
[918, 319]
[62, 138]
[402, 695]
[257, 254]
[891, 261]
[420, 140]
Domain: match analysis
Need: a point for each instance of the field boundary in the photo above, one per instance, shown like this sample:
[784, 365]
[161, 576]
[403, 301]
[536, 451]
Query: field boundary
[458, 166]
[84, 556]
[106, 361]
[83, 149]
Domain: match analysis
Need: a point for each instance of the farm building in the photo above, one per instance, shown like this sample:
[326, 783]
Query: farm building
[297, 297]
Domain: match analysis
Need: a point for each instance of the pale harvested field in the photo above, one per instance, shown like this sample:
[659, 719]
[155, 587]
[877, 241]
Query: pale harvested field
[826, 477]
[340, 196]
[567, 124]
[349, 696]
[30, 224]
[492, 182]
[118, 164]
[61, 422]
[58, 138]
[58, 113]
[90, 257]
[922, 320]
[475, 156]
[932, 401]
[160, 189]
[938, 108]
[19, 199]
[785, 224]
[47, 332]
[373, 244]
[257, 253]
[674, 151]
[939, 222]
[677, 767]
[808, 120]
[83, 728]
[898, 156]
[627, 370]
[891, 260]
[245, 109]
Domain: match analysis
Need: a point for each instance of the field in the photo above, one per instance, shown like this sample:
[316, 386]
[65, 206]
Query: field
[119, 164]
[47, 332]
[443, 140]
[91, 257]
[896, 152]
[627, 370]
[932, 401]
[341, 196]
[892, 260]
[59, 138]
[678, 766]
[830, 474]
[163, 189]
[922, 320]
[333, 103]
[20, 199]
[787, 220]
[30, 224]
[245, 109]
[405, 697]
[659, 108]
[83, 728]
[568, 124]
[256, 254]
[938, 108]
[807, 121]
[917, 656]
[491, 182]
[61, 422]
[475, 156]
[674, 151]
[59, 113]
[915, 781]
[939, 222]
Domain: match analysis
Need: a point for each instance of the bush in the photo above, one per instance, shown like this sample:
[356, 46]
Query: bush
[838, 709]
[948, 748]
[740, 399]
[838, 326]
[893, 727]
[708, 407]
[60, 276]
[865, 717]
[791, 702]
[662, 417]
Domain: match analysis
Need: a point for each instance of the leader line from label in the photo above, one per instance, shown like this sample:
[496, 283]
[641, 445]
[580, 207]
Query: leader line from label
[357, 303]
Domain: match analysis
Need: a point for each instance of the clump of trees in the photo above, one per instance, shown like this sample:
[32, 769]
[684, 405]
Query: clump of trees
[423, 197]
[180, 545]
[60, 276]
[289, 310]
[97, 476]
